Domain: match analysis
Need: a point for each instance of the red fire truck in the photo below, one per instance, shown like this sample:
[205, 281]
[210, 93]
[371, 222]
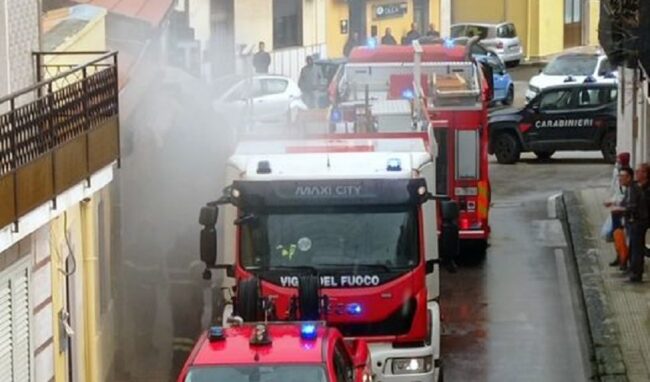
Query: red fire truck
[287, 352]
[376, 88]
[341, 230]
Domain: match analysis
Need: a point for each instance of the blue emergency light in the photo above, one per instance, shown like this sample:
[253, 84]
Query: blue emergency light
[372, 43]
[590, 79]
[335, 115]
[449, 43]
[308, 332]
[354, 309]
[408, 94]
[394, 165]
[216, 334]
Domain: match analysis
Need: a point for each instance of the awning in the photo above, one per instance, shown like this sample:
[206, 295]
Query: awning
[150, 11]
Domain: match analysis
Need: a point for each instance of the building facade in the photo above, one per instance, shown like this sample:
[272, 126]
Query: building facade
[545, 27]
[367, 17]
[56, 306]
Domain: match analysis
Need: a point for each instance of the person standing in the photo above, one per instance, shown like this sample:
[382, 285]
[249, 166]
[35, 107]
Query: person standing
[412, 35]
[387, 38]
[432, 32]
[261, 59]
[635, 212]
[353, 41]
[308, 82]
[617, 192]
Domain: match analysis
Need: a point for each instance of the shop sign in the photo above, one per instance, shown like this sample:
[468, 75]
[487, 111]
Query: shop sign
[385, 11]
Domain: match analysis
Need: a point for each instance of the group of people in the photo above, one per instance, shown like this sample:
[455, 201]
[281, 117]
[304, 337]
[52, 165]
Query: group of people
[388, 38]
[630, 216]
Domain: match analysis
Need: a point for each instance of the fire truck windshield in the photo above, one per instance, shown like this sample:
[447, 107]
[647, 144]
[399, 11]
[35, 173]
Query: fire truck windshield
[337, 239]
[265, 373]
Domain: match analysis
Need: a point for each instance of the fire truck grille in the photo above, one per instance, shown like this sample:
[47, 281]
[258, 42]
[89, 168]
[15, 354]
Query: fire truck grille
[398, 323]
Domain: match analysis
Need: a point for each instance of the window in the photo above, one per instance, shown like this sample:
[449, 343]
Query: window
[476, 49]
[287, 23]
[467, 154]
[572, 64]
[507, 31]
[475, 30]
[441, 161]
[590, 98]
[274, 86]
[260, 373]
[15, 316]
[572, 11]
[605, 67]
[458, 31]
[557, 100]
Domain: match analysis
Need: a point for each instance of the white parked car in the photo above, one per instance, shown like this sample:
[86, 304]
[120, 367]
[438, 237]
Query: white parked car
[500, 38]
[573, 66]
[260, 100]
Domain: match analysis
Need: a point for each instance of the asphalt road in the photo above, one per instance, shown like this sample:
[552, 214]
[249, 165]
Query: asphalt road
[516, 315]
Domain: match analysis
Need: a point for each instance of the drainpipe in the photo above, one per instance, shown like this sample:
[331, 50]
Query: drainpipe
[529, 19]
[90, 264]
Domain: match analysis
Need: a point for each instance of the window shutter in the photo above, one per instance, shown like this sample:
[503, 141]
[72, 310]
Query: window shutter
[21, 325]
[5, 331]
[15, 341]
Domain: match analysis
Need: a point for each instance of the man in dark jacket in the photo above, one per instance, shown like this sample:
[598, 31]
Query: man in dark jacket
[432, 32]
[308, 82]
[635, 209]
[387, 38]
[261, 60]
[412, 35]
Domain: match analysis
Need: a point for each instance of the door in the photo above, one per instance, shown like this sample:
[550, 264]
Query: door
[593, 113]
[357, 15]
[548, 118]
[271, 100]
[572, 23]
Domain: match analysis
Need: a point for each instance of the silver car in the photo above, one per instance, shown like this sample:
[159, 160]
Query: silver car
[501, 38]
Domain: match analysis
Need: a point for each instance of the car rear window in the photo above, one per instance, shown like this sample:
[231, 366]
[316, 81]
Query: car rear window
[457, 31]
[507, 31]
[572, 65]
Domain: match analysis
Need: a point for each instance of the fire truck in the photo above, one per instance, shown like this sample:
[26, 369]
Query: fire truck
[288, 352]
[376, 88]
[339, 230]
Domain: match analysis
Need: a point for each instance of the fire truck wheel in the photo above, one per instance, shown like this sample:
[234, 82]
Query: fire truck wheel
[544, 155]
[506, 148]
[309, 298]
[248, 300]
[608, 147]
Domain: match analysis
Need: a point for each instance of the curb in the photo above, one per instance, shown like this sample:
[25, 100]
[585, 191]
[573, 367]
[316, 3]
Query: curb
[606, 357]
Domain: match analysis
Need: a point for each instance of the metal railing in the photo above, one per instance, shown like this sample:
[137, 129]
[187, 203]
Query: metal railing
[58, 131]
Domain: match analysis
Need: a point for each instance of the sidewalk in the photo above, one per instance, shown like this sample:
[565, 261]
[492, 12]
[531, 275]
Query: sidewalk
[618, 312]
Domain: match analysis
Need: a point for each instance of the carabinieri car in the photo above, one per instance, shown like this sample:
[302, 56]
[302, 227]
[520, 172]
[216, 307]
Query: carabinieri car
[570, 117]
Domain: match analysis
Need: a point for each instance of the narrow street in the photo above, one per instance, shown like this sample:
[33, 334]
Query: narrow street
[516, 315]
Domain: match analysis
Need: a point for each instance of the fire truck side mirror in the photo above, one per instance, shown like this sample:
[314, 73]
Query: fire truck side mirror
[208, 219]
[430, 266]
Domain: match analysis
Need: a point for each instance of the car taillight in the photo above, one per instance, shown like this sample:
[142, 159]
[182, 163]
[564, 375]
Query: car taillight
[464, 223]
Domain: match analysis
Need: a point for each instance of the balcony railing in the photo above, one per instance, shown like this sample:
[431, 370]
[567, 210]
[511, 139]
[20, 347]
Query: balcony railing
[57, 132]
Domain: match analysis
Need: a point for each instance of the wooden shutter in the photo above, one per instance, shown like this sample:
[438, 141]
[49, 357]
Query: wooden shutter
[15, 332]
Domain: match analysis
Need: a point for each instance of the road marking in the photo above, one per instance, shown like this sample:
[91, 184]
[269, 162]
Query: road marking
[551, 205]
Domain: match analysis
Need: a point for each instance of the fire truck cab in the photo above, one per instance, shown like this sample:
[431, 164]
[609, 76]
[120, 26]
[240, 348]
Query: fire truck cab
[283, 352]
[340, 230]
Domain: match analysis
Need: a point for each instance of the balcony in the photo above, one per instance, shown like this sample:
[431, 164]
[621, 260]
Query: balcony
[58, 132]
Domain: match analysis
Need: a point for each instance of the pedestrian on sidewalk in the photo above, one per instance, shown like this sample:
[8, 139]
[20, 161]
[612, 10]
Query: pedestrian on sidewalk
[635, 210]
[432, 32]
[308, 82]
[261, 59]
[412, 35]
[388, 38]
[614, 225]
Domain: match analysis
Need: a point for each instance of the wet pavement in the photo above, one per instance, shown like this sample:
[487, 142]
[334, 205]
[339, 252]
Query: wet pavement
[516, 315]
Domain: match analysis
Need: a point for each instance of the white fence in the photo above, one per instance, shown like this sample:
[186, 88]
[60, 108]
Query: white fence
[288, 62]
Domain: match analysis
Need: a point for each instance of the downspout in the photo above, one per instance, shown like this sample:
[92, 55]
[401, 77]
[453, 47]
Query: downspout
[90, 261]
[529, 19]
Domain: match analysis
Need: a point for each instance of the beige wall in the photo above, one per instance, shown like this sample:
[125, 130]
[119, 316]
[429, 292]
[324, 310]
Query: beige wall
[551, 27]
[313, 22]
[254, 22]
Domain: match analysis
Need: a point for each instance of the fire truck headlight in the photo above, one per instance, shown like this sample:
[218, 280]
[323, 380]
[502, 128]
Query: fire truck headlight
[412, 365]
[235, 193]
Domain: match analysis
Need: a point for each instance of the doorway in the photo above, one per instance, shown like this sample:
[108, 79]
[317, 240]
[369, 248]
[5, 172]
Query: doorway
[222, 37]
[421, 16]
[572, 23]
[357, 16]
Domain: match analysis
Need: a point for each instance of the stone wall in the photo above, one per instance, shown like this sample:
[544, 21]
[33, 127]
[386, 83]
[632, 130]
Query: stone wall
[19, 37]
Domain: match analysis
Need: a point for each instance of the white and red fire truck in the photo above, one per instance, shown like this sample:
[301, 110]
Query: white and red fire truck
[340, 230]
[375, 89]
